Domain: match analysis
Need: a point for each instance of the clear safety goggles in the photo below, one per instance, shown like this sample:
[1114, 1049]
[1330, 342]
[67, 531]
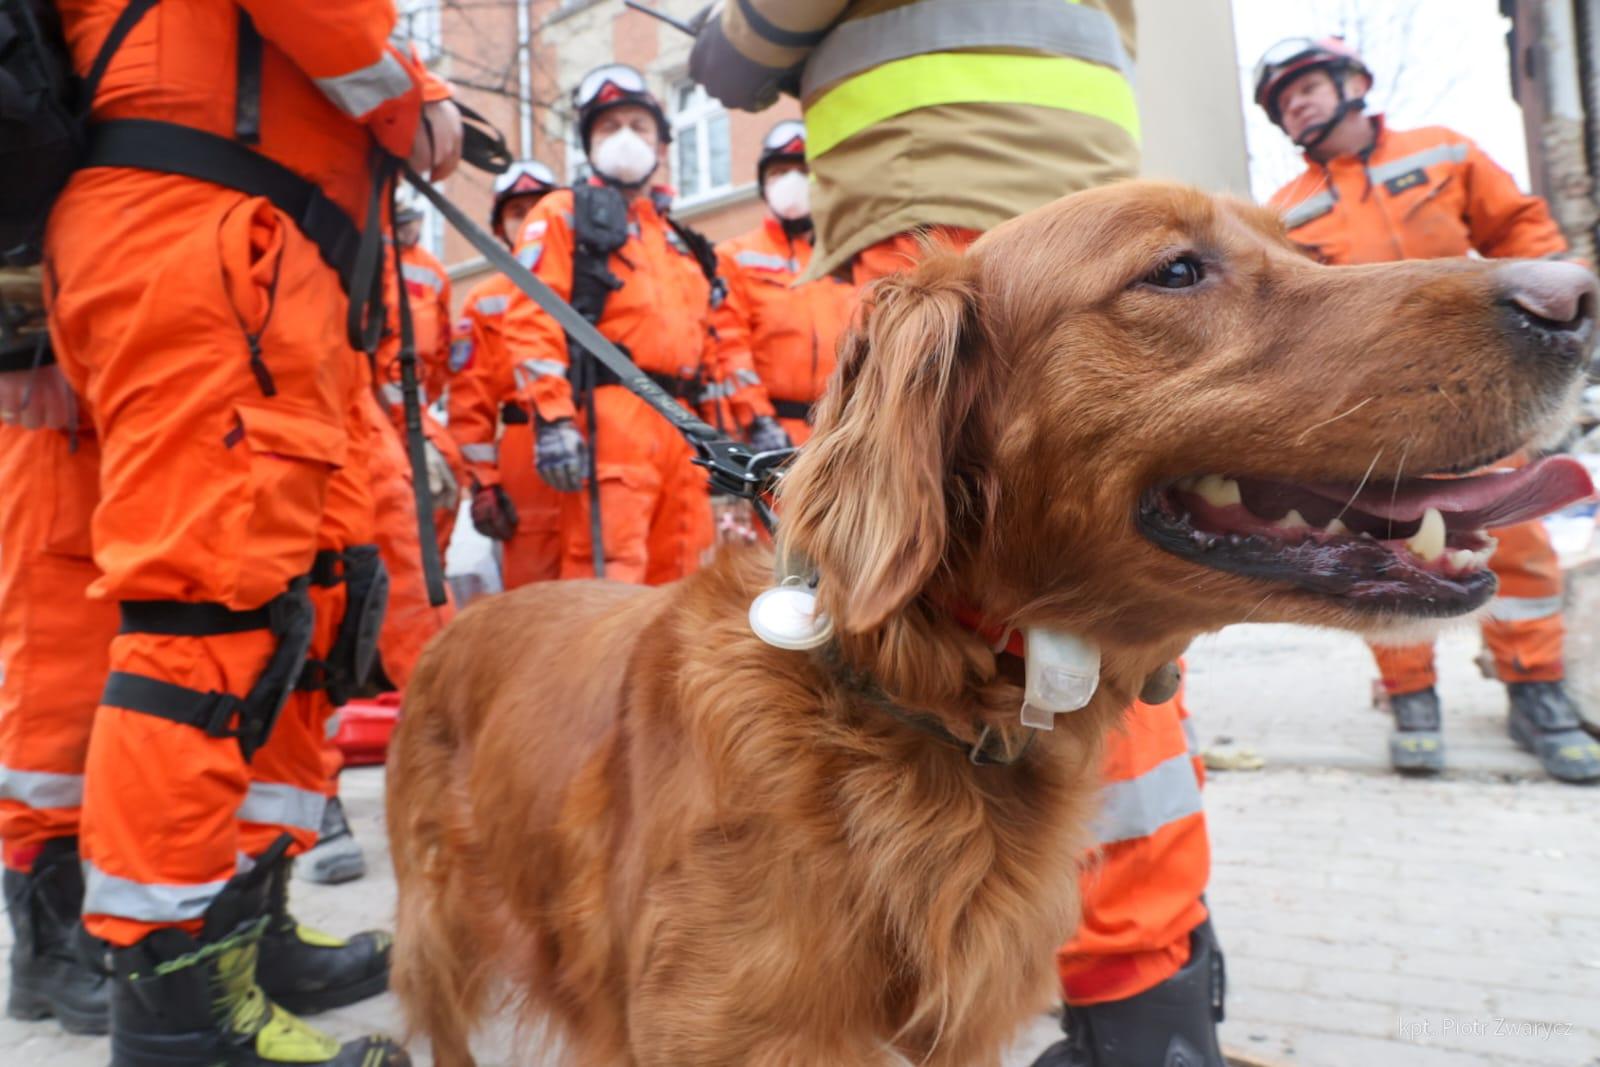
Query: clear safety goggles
[621, 79]
[1284, 53]
[786, 138]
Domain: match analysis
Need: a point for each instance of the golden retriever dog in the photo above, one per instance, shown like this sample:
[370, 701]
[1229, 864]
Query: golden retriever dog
[1134, 415]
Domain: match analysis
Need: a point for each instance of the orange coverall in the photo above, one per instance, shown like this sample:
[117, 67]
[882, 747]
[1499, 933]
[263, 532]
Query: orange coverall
[53, 639]
[787, 332]
[214, 488]
[485, 399]
[654, 504]
[1141, 890]
[1426, 194]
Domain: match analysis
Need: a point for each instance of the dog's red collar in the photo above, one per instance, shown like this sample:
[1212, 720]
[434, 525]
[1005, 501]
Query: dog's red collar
[994, 635]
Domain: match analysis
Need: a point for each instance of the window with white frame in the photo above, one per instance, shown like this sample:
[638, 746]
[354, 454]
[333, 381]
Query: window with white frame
[701, 156]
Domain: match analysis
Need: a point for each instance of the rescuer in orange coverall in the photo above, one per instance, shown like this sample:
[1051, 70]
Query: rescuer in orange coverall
[1370, 194]
[787, 330]
[232, 506]
[654, 507]
[489, 420]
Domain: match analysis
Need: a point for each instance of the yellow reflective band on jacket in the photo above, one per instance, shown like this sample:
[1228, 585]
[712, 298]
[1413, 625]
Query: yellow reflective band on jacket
[967, 78]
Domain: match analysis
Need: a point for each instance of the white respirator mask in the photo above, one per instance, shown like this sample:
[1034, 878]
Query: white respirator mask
[625, 157]
[789, 195]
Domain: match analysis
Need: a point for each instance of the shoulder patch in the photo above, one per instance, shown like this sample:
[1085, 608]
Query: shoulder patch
[530, 255]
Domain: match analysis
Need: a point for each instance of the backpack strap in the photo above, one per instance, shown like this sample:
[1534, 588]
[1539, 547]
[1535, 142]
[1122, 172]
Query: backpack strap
[119, 31]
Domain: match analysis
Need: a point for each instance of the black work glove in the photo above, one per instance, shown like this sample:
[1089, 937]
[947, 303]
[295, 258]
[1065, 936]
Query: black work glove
[493, 514]
[767, 434]
[560, 455]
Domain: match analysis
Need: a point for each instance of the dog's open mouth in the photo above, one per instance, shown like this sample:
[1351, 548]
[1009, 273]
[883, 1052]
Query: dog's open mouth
[1418, 547]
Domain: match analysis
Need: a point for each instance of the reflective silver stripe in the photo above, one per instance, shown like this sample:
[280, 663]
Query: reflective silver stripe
[763, 261]
[492, 305]
[481, 453]
[543, 368]
[1445, 153]
[1058, 27]
[1312, 207]
[390, 393]
[745, 376]
[362, 90]
[41, 789]
[716, 391]
[1140, 806]
[1524, 608]
[276, 804]
[106, 894]
[416, 272]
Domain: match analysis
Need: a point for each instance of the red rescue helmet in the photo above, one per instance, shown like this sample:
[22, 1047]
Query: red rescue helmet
[612, 86]
[525, 177]
[1293, 56]
[785, 141]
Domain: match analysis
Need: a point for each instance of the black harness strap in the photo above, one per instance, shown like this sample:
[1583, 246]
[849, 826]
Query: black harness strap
[792, 409]
[247, 98]
[212, 712]
[178, 618]
[288, 617]
[169, 148]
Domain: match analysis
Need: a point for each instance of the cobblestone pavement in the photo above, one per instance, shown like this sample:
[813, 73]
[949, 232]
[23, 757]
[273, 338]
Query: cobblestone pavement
[1367, 920]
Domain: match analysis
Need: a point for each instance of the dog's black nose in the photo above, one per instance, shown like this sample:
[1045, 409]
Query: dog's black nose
[1551, 308]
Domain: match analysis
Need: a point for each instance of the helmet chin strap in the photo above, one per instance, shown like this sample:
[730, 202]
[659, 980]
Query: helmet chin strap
[1312, 136]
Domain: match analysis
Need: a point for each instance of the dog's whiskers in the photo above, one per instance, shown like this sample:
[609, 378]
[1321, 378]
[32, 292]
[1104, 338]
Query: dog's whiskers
[1399, 471]
[1259, 604]
[1350, 411]
[1361, 484]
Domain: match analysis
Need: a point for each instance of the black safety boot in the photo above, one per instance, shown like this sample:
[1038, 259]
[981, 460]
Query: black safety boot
[337, 855]
[1417, 744]
[308, 971]
[1173, 1024]
[181, 1001]
[48, 980]
[1544, 720]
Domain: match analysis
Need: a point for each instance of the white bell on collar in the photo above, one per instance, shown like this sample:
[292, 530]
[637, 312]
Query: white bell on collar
[1063, 672]
[786, 616]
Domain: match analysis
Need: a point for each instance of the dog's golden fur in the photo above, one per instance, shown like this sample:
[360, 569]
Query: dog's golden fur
[683, 847]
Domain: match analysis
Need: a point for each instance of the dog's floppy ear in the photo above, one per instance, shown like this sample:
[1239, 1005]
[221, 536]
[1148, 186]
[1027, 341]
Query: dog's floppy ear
[868, 499]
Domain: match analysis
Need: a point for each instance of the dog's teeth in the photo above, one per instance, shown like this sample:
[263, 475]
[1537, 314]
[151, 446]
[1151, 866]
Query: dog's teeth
[1218, 491]
[1461, 559]
[1428, 542]
[1292, 521]
[1337, 528]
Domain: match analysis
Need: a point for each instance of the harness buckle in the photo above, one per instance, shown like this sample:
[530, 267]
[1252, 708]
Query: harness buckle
[215, 716]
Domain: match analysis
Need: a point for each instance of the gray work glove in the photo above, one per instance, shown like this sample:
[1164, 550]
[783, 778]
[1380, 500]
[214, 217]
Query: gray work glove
[561, 457]
[767, 434]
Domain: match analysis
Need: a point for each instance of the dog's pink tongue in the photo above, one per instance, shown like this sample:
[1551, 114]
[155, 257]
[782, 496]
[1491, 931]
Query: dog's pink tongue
[1483, 500]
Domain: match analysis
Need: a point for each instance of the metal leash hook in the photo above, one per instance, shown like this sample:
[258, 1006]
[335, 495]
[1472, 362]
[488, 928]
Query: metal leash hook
[737, 472]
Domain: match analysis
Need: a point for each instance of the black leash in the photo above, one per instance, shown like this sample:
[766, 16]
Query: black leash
[733, 468]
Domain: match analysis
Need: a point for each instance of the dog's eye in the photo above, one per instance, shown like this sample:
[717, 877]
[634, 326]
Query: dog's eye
[1181, 273]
